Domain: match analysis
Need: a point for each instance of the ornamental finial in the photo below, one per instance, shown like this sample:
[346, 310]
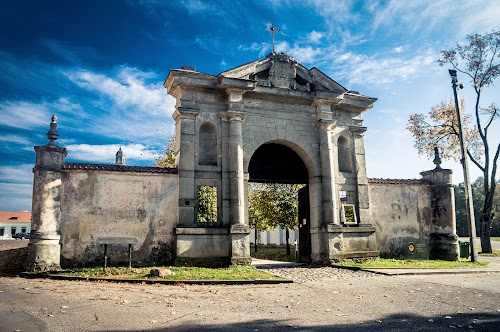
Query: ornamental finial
[437, 158]
[52, 134]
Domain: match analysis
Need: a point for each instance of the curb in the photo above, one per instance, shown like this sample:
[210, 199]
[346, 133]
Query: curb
[386, 272]
[28, 275]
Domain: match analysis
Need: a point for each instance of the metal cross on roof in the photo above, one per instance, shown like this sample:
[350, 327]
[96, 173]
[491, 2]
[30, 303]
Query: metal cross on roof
[273, 29]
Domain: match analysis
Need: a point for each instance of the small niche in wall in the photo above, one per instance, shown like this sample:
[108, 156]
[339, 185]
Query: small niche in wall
[207, 146]
[344, 155]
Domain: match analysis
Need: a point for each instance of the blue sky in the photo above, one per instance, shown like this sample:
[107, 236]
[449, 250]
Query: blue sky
[100, 65]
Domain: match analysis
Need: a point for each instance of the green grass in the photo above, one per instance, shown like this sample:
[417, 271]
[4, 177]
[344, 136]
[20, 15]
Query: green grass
[497, 238]
[180, 273]
[412, 264]
[495, 253]
[273, 254]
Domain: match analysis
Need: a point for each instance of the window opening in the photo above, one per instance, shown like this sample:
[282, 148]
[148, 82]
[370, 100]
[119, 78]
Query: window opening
[207, 204]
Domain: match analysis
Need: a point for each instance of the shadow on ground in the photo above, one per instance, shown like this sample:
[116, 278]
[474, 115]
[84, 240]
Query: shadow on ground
[398, 322]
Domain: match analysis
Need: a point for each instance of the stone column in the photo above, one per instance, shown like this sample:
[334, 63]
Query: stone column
[443, 240]
[225, 190]
[239, 230]
[236, 175]
[330, 215]
[185, 119]
[44, 250]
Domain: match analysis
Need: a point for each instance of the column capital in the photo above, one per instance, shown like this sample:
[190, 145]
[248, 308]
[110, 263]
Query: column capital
[326, 124]
[185, 113]
[233, 115]
[357, 131]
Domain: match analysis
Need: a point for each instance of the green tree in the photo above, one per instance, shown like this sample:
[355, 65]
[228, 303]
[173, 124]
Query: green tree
[478, 198]
[168, 157]
[207, 204]
[274, 205]
[478, 60]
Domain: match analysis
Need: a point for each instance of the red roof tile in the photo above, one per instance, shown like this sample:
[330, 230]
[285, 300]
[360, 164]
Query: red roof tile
[118, 168]
[399, 181]
[15, 216]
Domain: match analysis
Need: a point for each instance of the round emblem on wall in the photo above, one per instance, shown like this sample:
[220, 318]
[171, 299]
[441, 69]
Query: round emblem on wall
[411, 248]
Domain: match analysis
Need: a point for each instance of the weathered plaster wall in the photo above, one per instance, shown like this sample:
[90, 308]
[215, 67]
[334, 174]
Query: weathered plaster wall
[110, 204]
[400, 211]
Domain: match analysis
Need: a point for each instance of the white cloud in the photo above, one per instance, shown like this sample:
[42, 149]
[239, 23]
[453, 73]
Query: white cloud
[106, 153]
[132, 104]
[26, 115]
[15, 197]
[381, 70]
[315, 37]
[399, 49]
[306, 54]
[16, 139]
[17, 174]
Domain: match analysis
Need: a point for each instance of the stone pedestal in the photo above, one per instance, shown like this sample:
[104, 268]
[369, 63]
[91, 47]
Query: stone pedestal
[240, 245]
[443, 239]
[44, 249]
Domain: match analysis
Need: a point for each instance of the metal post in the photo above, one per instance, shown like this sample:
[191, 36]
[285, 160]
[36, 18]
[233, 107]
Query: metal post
[105, 256]
[468, 190]
[130, 256]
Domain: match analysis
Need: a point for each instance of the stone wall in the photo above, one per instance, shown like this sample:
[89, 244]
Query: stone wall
[99, 203]
[401, 212]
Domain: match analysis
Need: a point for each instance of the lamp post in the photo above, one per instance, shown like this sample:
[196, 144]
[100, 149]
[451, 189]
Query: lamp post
[469, 205]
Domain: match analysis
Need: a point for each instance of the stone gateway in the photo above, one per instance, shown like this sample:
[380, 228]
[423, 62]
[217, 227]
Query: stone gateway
[270, 120]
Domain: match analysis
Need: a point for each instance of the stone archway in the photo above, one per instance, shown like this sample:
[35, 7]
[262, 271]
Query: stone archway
[278, 163]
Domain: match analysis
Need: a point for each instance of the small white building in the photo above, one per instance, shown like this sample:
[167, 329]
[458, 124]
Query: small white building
[12, 223]
[275, 237]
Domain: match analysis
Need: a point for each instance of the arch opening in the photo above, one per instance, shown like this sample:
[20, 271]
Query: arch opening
[283, 173]
[276, 163]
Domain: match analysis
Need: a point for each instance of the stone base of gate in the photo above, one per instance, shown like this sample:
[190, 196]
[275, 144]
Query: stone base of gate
[240, 244]
[213, 247]
[44, 252]
[346, 242]
[444, 246]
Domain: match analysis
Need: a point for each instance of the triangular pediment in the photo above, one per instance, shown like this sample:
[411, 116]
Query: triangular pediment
[280, 70]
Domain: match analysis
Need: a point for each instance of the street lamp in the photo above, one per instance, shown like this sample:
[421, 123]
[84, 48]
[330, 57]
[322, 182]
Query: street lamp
[468, 190]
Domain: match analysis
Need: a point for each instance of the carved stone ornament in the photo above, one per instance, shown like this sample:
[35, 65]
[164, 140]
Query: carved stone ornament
[283, 73]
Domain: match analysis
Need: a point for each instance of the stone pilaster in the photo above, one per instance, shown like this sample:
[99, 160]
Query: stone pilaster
[44, 250]
[363, 204]
[329, 204]
[443, 241]
[185, 120]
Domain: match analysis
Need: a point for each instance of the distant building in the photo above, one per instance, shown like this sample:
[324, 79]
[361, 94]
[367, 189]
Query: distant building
[12, 223]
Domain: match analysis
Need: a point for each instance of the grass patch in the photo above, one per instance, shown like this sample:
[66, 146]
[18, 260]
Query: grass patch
[495, 253]
[180, 273]
[496, 238]
[273, 254]
[12, 260]
[412, 264]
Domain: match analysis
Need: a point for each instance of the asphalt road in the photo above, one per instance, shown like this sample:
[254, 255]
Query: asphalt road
[323, 299]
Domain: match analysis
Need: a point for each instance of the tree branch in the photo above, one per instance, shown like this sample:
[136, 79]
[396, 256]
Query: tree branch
[475, 161]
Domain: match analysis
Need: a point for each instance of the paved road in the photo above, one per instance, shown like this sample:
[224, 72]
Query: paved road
[321, 299]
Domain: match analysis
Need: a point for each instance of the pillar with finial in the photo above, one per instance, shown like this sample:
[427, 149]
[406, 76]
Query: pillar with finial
[443, 239]
[44, 250]
[120, 158]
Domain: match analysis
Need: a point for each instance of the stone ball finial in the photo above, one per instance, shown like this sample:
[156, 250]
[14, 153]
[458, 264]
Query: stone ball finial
[52, 134]
[437, 158]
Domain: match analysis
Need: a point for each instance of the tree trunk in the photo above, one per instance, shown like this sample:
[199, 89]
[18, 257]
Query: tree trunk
[287, 235]
[256, 239]
[486, 232]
